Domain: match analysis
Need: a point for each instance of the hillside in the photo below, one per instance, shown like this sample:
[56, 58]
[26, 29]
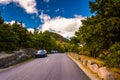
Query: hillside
[58, 37]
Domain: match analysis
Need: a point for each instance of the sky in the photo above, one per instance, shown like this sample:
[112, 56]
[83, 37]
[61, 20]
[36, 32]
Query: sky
[60, 16]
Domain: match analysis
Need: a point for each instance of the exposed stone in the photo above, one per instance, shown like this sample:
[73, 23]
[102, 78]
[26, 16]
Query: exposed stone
[4, 54]
[91, 62]
[85, 62]
[82, 59]
[94, 67]
[79, 58]
[30, 52]
[104, 73]
[16, 57]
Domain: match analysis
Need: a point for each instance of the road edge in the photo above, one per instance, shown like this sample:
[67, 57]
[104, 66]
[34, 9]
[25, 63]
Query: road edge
[88, 73]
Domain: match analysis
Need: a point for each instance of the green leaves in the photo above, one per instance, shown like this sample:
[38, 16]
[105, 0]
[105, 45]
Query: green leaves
[113, 58]
[106, 8]
[100, 34]
[8, 38]
[1, 20]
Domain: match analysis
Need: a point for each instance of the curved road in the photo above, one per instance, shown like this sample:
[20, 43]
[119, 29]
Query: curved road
[53, 67]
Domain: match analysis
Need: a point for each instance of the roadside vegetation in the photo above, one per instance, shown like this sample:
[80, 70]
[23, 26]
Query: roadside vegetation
[99, 35]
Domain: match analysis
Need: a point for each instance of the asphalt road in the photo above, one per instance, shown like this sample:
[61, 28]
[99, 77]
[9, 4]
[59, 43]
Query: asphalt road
[53, 67]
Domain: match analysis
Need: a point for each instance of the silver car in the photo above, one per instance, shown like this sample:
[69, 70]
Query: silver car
[41, 53]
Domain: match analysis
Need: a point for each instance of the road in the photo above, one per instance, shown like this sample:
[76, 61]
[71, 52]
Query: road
[53, 67]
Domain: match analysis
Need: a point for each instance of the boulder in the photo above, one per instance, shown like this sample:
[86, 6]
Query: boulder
[104, 73]
[90, 62]
[82, 59]
[85, 62]
[94, 67]
[79, 58]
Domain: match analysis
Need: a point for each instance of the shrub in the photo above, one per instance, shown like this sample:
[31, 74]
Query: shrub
[113, 59]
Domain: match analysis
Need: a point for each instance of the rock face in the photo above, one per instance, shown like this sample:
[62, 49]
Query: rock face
[16, 57]
[104, 73]
[8, 60]
[4, 54]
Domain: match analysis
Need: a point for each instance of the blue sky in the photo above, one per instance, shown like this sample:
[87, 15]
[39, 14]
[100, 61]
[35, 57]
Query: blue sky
[44, 14]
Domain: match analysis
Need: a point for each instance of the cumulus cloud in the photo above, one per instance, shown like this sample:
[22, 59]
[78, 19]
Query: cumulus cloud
[63, 26]
[28, 5]
[5, 1]
[44, 17]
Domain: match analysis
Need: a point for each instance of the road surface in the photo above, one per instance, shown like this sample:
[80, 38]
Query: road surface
[53, 67]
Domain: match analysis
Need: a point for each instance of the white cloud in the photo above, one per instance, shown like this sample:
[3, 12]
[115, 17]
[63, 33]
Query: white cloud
[30, 30]
[12, 22]
[5, 1]
[63, 26]
[44, 17]
[28, 5]
[78, 16]
[46, 0]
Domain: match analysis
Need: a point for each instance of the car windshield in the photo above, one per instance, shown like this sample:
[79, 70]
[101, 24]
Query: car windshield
[41, 52]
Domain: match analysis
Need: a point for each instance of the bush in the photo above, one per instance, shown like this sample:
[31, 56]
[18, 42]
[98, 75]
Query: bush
[101, 56]
[113, 59]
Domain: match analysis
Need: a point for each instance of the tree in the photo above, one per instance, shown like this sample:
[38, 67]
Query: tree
[8, 38]
[1, 20]
[15, 37]
[101, 31]
[23, 35]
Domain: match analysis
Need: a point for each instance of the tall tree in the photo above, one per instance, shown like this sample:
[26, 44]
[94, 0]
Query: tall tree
[22, 33]
[8, 38]
[101, 31]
